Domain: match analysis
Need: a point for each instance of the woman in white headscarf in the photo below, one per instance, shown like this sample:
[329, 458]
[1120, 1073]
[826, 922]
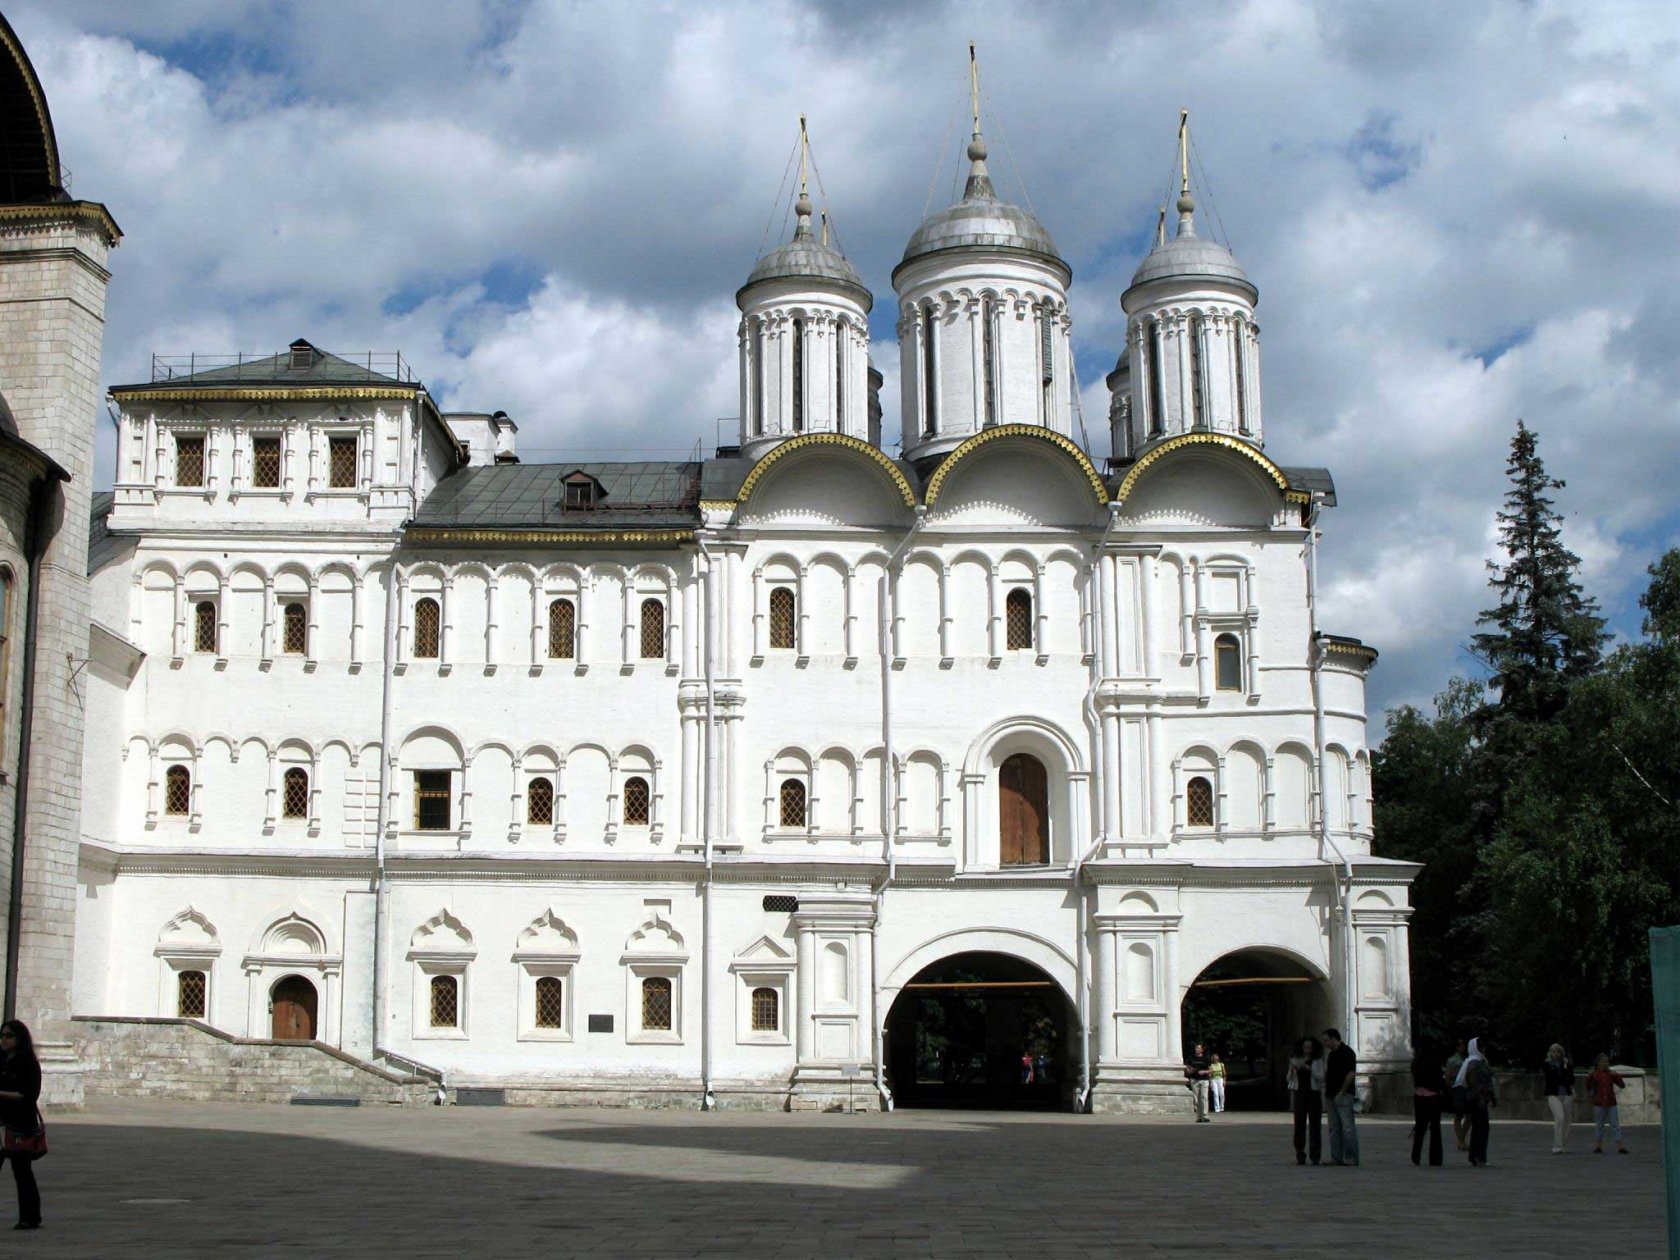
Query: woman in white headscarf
[1474, 1085]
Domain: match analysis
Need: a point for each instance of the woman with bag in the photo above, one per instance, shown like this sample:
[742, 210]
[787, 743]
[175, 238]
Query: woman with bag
[1475, 1078]
[24, 1138]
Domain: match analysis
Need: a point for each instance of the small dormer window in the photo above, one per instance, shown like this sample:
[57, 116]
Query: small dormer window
[303, 355]
[579, 491]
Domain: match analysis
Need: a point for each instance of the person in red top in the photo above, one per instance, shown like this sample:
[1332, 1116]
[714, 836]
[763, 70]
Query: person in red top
[1602, 1084]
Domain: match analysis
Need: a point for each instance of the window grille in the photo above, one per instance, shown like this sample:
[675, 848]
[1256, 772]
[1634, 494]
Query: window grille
[189, 461]
[432, 800]
[190, 991]
[656, 1004]
[294, 636]
[446, 1005]
[1227, 663]
[539, 802]
[636, 801]
[562, 630]
[783, 619]
[776, 904]
[766, 1010]
[341, 463]
[551, 1004]
[1198, 803]
[793, 803]
[427, 629]
[265, 462]
[1018, 620]
[653, 630]
[296, 793]
[204, 626]
[177, 790]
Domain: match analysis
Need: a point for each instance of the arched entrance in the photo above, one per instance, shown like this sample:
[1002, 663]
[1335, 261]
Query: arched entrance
[293, 1003]
[1251, 1007]
[959, 1033]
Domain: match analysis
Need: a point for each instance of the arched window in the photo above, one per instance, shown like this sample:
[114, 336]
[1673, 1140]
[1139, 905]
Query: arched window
[1023, 812]
[295, 793]
[1152, 379]
[758, 375]
[798, 375]
[190, 993]
[177, 790]
[294, 636]
[446, 1002]
[1227, 663]
[204, 626]
[988, 356]
[636, 801]
[1018, 620]
[1239, 346]
[653, 630]
[930, 370]
[1198, 385]
[792, 799]
[428, 627]
[562, 630]
[551, 1002]
[783, 618]
[766, 1010]
[1198, 803]
[539, 802]
[656, 1004]
[839, 377]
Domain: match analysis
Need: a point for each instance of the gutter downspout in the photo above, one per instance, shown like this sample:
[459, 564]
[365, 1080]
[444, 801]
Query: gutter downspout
[40, 499]
[889, 803]
[708, 1100]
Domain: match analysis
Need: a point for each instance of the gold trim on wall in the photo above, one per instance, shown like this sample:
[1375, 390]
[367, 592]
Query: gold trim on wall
[549, 537]
[842, 440]
[56, 211]
[1183, 440]
[1037, 433]
[259, 393]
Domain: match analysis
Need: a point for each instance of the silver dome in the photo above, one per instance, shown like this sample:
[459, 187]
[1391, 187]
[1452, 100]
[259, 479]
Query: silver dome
[1191, 257]
[806, 258]
[981, 221]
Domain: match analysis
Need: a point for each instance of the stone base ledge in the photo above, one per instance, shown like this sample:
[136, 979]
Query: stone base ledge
[1141, 1090]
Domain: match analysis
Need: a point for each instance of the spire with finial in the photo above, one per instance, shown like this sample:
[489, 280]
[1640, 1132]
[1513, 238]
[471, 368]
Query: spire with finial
[803, 206]
[1186, 203]
[979, 179]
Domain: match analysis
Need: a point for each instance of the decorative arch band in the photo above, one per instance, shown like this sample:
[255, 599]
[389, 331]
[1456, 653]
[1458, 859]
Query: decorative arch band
[844, 442]
[1034, 432]
[1246, 450]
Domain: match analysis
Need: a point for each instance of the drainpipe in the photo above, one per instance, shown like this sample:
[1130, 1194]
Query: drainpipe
[708, 1100]
[889, 803]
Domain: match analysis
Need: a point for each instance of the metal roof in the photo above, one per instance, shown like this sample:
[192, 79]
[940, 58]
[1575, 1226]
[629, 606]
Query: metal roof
[299, 364]
[981, 221]
[1312, 480]
[529, 496]
[1188, 256]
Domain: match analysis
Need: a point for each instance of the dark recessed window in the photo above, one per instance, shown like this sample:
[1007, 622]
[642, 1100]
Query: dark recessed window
[539, 802]
[341, 463]
[653, 630]
[265, 462]
[294, 637]
[446, 1002]
[1227, 663]
[190, 992]
[656, 1004]
[792, 802]
[189, 460]
[1018, 620]
[428, 626]
[204, 626]
[562, 630]
[177, 790]
[551, 1002]
[766, 1010]
[1198, 803]
[636, 802]
[295, 793]
[432, 800]
[783, 618]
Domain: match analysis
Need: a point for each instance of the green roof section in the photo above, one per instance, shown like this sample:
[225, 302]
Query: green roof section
[300, 364]
[649, 494]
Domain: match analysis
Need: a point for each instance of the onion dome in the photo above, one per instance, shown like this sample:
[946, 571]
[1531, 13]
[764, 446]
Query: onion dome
[806, 257]
[981, 221]
[1191, 257]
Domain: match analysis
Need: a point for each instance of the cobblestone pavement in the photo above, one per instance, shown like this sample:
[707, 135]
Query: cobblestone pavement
[186, 1179]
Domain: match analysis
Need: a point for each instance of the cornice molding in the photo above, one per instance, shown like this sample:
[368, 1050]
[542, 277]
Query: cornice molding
[431, 534]
[258, 393]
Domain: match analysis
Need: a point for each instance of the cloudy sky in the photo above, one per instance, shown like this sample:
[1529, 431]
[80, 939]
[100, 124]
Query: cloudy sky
[1457, 214]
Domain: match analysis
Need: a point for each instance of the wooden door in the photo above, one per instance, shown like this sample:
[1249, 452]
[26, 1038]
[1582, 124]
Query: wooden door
[294, 1010]
[1023, 812]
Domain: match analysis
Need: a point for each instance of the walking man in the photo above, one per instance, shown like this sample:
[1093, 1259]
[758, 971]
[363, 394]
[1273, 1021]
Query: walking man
[1197, 1072]
[1339, 1099]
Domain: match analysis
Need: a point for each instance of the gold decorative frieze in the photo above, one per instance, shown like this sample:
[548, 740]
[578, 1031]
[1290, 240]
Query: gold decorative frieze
[804, 440]
[549, 537]
[1183, 440]
[1035, 432]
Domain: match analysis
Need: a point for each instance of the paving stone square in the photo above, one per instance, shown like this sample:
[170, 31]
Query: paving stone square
[178, 1179]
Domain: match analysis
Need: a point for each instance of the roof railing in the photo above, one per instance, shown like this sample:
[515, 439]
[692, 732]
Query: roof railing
[276, 365]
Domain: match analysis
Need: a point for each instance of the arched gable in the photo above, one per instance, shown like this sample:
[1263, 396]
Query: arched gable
[1007, 435]
[30, 169]
[812, 475]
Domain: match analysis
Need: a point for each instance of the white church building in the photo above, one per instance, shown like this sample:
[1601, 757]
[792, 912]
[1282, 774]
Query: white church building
[806, 768]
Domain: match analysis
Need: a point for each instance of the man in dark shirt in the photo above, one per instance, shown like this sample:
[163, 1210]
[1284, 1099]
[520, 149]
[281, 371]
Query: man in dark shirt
[1196, 1072]
[1340, 1073]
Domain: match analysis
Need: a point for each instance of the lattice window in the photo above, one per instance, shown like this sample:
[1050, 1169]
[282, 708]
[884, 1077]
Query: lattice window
[656, 1004]
[294, 636]
[204, 626]
[539, 802]
[784, 628]
[432, 800]
[190, 993]
[265, 463]
[766, 1010]
[189, 461]
[1227, 663]
[792, 799]
[341, 463]
[295, 793]
[446, 1002]
[637, 800]
[1018, 620]
[562, 630]
[1198, 803]
[428, 627]
[653, 630]
[551, 1002]
[177, 790]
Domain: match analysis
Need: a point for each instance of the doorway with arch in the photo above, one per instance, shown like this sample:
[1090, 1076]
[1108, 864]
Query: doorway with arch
[1250, 1007]
[293, 1005]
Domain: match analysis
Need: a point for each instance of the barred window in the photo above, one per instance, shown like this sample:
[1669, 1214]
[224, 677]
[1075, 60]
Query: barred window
[265, 462]
[551, 1003]
[294, 637]
[190, 990]
[562, 630]
[656, 1004]
[792, 799]
[539, 802]
[636, 801]
[295, 793]
[653, 630]
[1198, 803]
[783, 618]
[446, 1003]
[766, 1010]
[189, 460]
[204, 626]
[341, 463]
[1227, 663]
[427, 629]
[432, 800]
[177, 790]
[1018, 620]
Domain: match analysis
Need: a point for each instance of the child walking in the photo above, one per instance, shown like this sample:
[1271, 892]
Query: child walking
[1602, 1084]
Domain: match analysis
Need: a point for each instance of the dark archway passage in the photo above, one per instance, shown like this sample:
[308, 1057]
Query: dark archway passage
[1251, 1007]
[958, 1033]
